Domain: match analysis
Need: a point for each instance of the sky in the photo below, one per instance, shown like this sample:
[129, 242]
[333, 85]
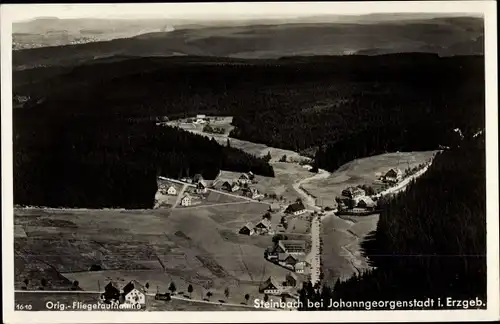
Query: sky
[227, 11]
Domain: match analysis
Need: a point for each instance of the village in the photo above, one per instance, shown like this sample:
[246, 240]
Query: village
[293, 227]
[272, 230]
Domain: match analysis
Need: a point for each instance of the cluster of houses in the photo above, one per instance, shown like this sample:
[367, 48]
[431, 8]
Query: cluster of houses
[243, 183]
[132, 293]
[290, 254]
[354, 199]
[263, 227]
[273, 286]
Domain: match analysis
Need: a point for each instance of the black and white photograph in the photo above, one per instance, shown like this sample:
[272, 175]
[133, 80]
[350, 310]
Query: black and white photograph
[301, 161]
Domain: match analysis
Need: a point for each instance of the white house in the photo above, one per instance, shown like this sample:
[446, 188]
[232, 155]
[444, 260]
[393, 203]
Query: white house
[200, 119]
[186, 201]
[172, 191]
[134, 293]
[296, 208]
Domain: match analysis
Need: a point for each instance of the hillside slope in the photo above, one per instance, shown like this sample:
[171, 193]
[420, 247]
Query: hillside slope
[443, 36]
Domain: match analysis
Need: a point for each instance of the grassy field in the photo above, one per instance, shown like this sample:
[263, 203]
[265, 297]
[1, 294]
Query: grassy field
[200, 246]
[362, 171]
[341, 237]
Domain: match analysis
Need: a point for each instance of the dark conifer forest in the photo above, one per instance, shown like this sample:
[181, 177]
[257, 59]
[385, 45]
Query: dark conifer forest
[332, 108]
[431, 239]
[99, 162]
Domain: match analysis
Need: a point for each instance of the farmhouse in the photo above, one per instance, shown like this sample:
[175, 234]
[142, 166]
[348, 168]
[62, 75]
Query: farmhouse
[393, 176]
[291, 246]
[365, 203]
[172, 191]
[296, 208]
[264, 227]
[271, 286]
[247, 229]
[353, 193]
[244, 178]
[186, 200]
[134, 293]
[111, 293]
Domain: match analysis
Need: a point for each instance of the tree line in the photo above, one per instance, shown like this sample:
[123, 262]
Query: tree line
[97, 162]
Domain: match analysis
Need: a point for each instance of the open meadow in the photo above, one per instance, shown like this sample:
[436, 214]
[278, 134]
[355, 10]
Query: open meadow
[363, 171]
[199, 246]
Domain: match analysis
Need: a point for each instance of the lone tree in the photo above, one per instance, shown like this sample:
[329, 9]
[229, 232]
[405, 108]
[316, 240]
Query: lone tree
[247, 297]
[283, 158]
[267, 158]
[147, 285]
[172, 287]
[209, 294]
[75, 285]
[190, 290]
[226, 292]
[267, 216]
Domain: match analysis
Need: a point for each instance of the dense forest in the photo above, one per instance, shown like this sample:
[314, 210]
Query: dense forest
[332, 108]
[431, 239]
[99, 162]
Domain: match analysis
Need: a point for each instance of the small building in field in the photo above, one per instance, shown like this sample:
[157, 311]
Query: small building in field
[353, 192]
[247, 229]
[271, 287]
[171, 191]
[297, 208]
[393, 176]
[264, 227]
[301, 266]
[134, 293]
[186, 200]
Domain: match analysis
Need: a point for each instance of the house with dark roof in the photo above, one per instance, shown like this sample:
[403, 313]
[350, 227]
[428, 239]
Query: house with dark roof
[393, 176]
[201, 187]
[296, 208]
[111, 293]
[247, 229]
[271, 287]
[264, 227]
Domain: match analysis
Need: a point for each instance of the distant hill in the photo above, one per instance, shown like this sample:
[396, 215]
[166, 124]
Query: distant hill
[444, 36]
